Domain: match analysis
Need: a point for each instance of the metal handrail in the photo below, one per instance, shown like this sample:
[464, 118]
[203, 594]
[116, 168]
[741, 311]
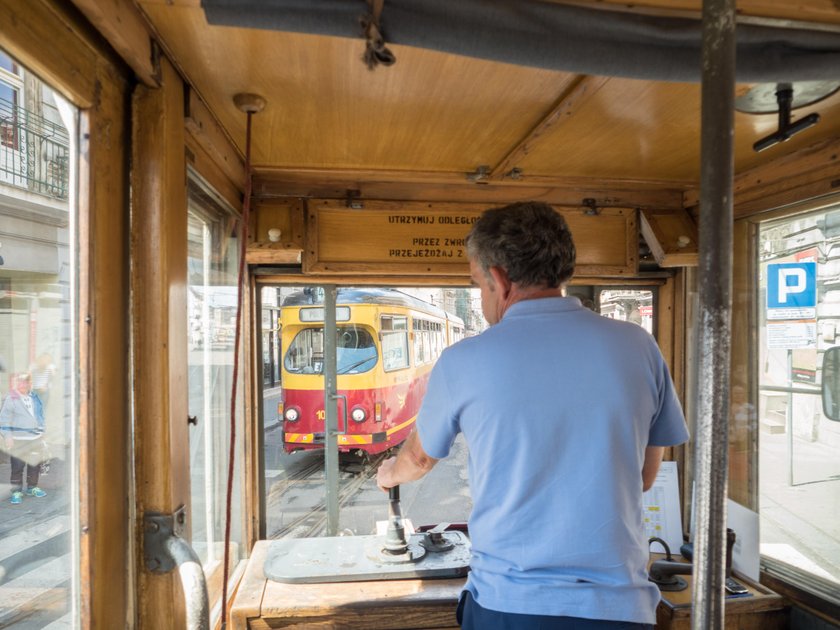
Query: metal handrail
[193, 582]
[165, 549]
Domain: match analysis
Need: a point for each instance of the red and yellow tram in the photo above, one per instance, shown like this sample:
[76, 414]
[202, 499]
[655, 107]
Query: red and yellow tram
[386, 344]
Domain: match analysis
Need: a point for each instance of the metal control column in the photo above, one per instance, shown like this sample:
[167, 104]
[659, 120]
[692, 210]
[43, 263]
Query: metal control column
[711, 403]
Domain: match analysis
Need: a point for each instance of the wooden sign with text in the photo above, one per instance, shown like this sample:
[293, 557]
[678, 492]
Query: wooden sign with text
[418, 238]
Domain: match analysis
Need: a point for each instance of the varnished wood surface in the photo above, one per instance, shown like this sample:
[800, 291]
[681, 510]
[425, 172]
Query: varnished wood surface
[121, 23]
[213, 139]
[159, 278]
[455, 187]
[441, 112]
[763, 610]
[743, 416]
[394, 604]
[437, 113]
[428, 238]
[671, 236]
[66, 63]
[105, 419]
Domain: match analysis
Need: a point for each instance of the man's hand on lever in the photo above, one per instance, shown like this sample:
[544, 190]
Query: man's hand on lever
[410, 464]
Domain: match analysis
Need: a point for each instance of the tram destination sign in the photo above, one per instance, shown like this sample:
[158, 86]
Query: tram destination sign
[417, 238]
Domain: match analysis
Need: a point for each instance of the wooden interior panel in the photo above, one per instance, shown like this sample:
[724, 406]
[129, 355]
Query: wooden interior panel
[434, 114]
[65, 63]
[159, 280]
[671, 236]
[286, 215]
[325, 108]
[428, 238]
[629, 128]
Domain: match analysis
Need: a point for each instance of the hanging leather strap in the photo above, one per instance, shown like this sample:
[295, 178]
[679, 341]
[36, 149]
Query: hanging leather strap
[376, 53]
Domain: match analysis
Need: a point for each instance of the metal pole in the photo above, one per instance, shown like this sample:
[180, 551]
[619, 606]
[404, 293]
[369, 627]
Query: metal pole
[789, 416]
[714, 325]
[331, 408]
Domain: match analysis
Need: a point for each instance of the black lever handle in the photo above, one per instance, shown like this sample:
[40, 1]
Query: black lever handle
[394, 493]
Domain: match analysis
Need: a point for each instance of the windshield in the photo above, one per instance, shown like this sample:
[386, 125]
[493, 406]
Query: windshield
[355, 351]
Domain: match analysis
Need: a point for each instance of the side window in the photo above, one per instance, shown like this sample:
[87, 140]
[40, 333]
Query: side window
[39, 330]
[417, 332]
[797, 321]
[212, 261]
[394, 342]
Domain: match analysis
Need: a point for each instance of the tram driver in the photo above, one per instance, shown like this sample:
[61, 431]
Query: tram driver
[566, 415]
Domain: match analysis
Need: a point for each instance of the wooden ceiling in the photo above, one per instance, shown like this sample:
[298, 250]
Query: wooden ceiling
[435, 117]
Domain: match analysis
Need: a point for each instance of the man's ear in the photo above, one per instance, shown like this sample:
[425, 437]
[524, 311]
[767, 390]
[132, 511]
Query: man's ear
[501, 280]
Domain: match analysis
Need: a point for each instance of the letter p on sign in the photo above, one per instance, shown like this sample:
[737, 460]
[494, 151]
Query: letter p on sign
[792, 285]
[791, 281]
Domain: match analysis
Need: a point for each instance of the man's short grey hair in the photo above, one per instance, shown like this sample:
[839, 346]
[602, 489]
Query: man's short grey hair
[529, 240]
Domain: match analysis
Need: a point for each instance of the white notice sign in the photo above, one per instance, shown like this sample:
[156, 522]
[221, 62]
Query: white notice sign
[790, 335]
[662, 509]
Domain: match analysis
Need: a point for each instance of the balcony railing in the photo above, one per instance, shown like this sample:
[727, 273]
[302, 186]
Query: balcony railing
[34, 152]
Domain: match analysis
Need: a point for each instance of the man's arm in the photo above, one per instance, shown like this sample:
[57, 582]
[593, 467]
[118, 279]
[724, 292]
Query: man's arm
[653, 458]
[410, 464]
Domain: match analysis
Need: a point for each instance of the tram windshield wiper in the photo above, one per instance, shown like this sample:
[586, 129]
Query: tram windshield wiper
[357, 364]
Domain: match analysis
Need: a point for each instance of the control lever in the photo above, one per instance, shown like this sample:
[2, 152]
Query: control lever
[395, 542]
[665, 573]
[434, 540]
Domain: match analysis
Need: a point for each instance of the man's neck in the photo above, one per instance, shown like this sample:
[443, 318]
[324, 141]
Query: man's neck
[520, 294]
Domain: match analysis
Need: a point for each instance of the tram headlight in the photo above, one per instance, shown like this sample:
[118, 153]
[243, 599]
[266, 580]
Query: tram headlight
[358, 414]
[292, 414]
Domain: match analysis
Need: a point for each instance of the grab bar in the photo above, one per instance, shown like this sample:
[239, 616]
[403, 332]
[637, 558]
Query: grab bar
[164, 549]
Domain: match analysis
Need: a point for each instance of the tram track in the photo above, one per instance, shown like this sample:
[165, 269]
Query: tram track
[314, 521]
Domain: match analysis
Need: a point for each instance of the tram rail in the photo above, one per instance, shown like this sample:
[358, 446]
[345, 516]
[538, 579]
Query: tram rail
[313, 522]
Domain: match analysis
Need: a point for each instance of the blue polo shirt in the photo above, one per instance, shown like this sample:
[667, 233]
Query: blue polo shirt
[557, 405]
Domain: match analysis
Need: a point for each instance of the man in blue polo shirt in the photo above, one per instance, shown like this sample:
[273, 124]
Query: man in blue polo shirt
[566, 415]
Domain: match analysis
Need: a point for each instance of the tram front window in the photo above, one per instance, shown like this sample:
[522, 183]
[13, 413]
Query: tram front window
[386, 343]
[355, 351]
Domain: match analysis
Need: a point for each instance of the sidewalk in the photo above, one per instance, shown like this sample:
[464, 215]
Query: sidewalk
[799, 523]
[35, 551]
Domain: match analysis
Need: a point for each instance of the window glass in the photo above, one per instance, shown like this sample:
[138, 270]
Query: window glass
[39, 416]
[394, 343]
[355, 351]
[377, 401]
[799, 475]
[7, 63]
[212, 264]
[630, 305]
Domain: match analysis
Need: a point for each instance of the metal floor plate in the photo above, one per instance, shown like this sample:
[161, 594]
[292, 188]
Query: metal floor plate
[359, 558]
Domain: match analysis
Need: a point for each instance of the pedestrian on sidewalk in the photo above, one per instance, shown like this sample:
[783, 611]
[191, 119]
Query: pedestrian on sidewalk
[21, 434]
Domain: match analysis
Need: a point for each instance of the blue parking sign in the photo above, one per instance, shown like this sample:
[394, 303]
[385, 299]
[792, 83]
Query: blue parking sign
[792, 285]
